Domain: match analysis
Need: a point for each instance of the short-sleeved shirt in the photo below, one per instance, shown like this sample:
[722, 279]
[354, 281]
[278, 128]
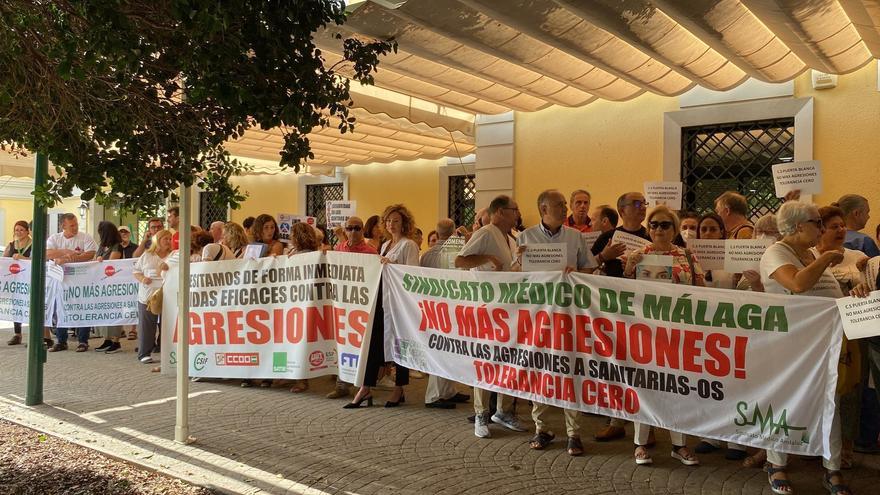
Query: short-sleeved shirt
[442, 254]
[744, 231]
[569, 222]
[361, 247]
[861, 242]
[128, 251]
[575, 247]
[614, 268]
[779, 255]
[490, 241]
[405, 252]
[81, 242]
[148, 265]
[105, 252]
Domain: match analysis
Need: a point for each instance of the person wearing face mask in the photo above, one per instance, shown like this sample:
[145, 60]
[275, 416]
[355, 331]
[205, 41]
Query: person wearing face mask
[689, 220]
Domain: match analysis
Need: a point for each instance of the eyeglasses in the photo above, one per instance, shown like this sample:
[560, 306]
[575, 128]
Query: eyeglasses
[639, 204]
[353, 228]
[664, 225]
[817, 222]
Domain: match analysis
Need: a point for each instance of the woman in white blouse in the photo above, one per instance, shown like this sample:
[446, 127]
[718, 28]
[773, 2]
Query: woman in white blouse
[399, 225]
[148, 272]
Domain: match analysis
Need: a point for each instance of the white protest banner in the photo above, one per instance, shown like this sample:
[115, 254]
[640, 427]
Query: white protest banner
[709, 252]
[729, 365]
[293, 317]
[98, 293]
[632, 242]
[338, 212]
[745, 254]
[590, 239]
[804, 176]
[664, 193]
[860, 315]
[286, 222]
[544, 257]
[15, 291]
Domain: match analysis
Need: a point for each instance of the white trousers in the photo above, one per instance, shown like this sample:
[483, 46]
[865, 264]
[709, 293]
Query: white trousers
[640, 437]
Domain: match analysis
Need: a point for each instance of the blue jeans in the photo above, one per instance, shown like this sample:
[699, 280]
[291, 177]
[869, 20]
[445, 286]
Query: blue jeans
[82, 335]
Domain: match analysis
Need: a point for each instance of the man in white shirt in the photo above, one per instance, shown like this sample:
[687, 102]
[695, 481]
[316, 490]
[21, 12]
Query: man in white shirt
[490, 249]
[552, 208]
[441, 393]
[70, 246]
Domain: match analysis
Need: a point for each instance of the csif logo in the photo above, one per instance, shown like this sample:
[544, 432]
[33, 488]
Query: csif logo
[200, 361]
[767, 420]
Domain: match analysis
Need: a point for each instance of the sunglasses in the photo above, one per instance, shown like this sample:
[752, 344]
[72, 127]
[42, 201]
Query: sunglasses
[353, 228]
[664, 225]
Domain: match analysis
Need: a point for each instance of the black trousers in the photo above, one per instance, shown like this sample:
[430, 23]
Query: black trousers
[376, 353]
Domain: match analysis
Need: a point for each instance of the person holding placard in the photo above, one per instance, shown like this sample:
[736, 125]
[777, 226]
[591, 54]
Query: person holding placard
[580, 212]
[711, 226]
[265, 230]
[19, 249]
[733, 208]
[663, 224]
[552, 208]
[790, 267]
[109, 248]
[689, 221]
[399, 248]
[491, 248]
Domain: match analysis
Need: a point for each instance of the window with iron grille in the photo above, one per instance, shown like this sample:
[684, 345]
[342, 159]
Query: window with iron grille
[317, 196]
[209, 211]
[734, 157]
[144, 220]
[462, 199]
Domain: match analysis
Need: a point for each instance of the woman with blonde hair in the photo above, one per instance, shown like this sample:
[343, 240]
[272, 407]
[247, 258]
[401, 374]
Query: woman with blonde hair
[399, 225]
[663, 225]
[148, 272]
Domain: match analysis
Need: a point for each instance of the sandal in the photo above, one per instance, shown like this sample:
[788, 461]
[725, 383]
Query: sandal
[132, 335]
[541, 440]
[755, 460]
[300, 386]
[778, 486]
[575, 447]
[683, 454]
[642, 456]
[835, 489]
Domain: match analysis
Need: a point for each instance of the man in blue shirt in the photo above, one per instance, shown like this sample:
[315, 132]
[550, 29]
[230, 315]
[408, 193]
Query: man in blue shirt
[857, 212]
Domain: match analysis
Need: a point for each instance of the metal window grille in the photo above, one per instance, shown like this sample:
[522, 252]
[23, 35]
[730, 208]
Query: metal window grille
[317, 196]
[209, 211]
[462, 199]
[734, 157]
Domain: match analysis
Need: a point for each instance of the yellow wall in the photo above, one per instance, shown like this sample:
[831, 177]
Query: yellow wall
[374, 186]
[610, 148]
[23, 209]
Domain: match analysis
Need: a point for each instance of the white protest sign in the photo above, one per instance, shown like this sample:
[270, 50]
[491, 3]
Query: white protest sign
[286, 222]
[338, 212]
[545, 257]
[590, 239]
[804, 176]
[745, 254]
[655, 268]
[709, 252]
[632, 242]
[860, 315]
[254, 251]
[664, 193]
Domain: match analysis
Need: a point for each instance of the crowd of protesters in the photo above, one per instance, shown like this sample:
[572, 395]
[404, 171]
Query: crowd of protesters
[817, 251]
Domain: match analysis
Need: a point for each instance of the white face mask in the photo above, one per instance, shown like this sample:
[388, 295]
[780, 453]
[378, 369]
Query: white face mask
[688, 234]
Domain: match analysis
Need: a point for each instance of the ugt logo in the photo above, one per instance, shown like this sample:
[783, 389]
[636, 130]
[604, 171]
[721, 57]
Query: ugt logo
[767, 419]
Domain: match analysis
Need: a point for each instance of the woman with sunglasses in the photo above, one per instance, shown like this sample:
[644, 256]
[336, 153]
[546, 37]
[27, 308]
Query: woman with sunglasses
[663, 225]
[791, 267]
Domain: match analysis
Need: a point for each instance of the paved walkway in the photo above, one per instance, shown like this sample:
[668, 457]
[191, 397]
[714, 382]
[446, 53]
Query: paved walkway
[269, 440]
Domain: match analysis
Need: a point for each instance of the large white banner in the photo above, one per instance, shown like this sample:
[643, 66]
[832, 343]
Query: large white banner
[15, 290]
[98, 293]
[755, 369]
[295, 317]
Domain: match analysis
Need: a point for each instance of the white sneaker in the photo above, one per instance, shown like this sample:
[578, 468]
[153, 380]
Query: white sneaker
[481, 427]
[508, 421]
[147, 360]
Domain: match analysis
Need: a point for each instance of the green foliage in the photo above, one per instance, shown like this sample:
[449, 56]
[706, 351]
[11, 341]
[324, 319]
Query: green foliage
[130, 98]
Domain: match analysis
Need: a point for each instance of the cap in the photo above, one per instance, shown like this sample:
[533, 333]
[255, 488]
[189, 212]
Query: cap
[125, 229]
